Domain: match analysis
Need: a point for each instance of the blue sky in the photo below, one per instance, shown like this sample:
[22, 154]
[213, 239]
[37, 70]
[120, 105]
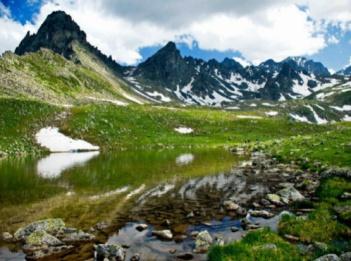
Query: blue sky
[331, 46]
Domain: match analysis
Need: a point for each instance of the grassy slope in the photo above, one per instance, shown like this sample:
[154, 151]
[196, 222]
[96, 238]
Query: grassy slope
[115, 127]
[49, 76]
[19, 120]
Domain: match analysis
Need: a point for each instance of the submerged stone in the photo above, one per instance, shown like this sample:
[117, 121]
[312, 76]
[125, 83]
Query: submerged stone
[329, 257]
[163, 234]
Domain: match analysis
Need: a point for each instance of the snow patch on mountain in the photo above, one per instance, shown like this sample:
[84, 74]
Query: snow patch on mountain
[299, 118]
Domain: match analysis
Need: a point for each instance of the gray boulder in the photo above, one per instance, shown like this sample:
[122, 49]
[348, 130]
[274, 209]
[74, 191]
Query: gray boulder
[203, 242]
[329, 257]
[109, 252]
[51, 226]
[345, 256]
[40, 238]
[290, 194]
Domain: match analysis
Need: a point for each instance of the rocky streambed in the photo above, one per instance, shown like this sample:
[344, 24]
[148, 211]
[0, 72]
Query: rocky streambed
[181, 220]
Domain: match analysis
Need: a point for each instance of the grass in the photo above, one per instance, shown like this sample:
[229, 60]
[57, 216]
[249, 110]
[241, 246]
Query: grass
[327, 148]
[256, 246]
[134, 126]
[19, 120]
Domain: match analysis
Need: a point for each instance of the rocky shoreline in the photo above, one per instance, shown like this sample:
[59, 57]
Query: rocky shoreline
[260, 188]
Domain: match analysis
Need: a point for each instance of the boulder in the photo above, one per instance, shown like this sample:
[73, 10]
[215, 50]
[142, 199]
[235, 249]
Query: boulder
[7, 237]
[329, 257]
[261, 213]
[203, 242]
[76, 236]
[343, 212]
[44, 252]
[109, 252]
[141, 227]
[336, 172]
[40, 238]
[290, 194]
[185, 256]
[163, 234]
[230, 205]
[346, 195]
[274, 198]
[51, 226]
[345, 256]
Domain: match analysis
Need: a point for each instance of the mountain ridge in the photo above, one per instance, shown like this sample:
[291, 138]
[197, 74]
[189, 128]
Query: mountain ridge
[167, 76]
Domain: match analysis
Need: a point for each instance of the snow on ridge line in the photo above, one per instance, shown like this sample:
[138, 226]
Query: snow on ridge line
[54, 141]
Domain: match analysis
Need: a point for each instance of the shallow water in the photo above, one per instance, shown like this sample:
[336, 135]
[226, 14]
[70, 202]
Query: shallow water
[181, 190]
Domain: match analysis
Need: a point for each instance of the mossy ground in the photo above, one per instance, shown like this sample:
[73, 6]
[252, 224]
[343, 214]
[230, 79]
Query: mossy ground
[256, 245]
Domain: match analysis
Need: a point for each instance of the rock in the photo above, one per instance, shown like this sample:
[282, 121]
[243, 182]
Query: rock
[251, 226]
[7, 237]
[141, 227]
[268, 246]
[346, 195]
[256, 205]
[343, 212]
[218, 241]
[190, 215]
[172, 251]
[241, 211]
[274, 198]
[261, 213]
[40, 238]
[266, 202]
[290, 194]
[185, 256]
[51, 226]
[163, 234]
[230, 205]
[234, 229]
[203, 242]
[102, 226]
[194, 234]
[336, 172]
[291, 238]
[179, 238]
[43, 252]
[110, 252]
[76, 236]
[329, 257]
[136, 257]
[345, 256]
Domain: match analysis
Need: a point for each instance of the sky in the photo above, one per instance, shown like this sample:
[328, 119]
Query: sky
[249, 31]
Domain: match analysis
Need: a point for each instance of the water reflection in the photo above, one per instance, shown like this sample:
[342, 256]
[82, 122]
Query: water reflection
[53, 165]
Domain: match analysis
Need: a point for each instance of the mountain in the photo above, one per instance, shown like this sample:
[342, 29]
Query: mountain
[59, 33]
[167, 76]
[346, 71]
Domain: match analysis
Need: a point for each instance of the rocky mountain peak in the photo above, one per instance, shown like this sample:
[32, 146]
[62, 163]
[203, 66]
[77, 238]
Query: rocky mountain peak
[56, 33]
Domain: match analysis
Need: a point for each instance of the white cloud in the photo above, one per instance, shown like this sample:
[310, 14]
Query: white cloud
[259, 29]
[333, 40]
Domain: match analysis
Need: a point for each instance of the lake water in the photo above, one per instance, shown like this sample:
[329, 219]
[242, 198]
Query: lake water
[180, 189]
